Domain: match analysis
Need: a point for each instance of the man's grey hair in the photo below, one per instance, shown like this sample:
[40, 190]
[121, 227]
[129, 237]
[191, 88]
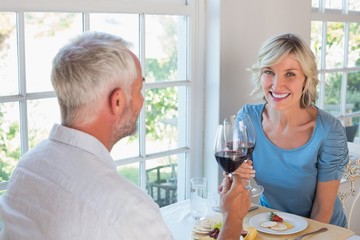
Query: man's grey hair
[87, 70]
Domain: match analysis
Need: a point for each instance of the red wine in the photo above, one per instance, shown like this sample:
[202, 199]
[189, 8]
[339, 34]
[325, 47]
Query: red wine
[231, 160]
[250, 149]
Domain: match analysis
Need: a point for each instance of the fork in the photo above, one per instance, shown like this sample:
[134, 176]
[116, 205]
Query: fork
[306, 234]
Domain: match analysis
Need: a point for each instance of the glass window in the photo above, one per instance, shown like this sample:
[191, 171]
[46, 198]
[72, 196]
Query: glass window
[335, 42]
[165, 118]
[333, 4]
[42, 114]
[52, 30]
[354, 5]
[165, 48]
[354, 42]
[316, 40]
[162, 179]
[8, 54]
[28, 104]
[352, 128]
[333, 93]
[123, 25]
[10, 148]
[335, 45]
[315, 3]
[131, 172]
[353, 92]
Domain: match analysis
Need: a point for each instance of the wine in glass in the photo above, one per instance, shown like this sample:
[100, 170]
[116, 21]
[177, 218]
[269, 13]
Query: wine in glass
[230, 147]
[255, 190]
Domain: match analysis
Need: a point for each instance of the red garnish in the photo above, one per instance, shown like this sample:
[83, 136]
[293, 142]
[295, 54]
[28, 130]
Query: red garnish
[276, 218]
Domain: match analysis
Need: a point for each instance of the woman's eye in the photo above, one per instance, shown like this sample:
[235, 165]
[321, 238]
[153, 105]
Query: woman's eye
[290, 74]
[268, 72]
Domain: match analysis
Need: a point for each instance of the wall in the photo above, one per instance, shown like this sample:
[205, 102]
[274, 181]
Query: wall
[244, 25]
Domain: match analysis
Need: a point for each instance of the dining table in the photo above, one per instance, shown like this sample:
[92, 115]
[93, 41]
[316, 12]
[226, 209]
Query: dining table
[180, 222]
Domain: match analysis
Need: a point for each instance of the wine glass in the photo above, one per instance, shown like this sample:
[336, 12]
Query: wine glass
[230, 146]
[251, 139]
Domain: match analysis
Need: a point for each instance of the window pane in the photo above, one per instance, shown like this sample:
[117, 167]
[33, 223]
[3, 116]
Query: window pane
[42, 114]
[335, 45]
[352, 127]
[165, 118]
[10, 149]
[354, 45]
[353, 92]
[316, 40]
[46, 31]
[130, 172]
[8, 54]
[123, 25]
[315, 3]
[126, 147]
[354, 5]
[332, 93]
[165, 48]
[162, 178]
[333, 4]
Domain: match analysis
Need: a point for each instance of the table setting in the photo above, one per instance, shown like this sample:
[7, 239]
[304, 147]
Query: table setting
[199, 217]
[181, 223]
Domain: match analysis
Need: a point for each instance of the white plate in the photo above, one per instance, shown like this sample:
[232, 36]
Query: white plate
[299, 223]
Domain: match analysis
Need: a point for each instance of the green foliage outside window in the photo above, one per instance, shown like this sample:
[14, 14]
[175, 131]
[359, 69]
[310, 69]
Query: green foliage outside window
[334, 39]
[9, 153]
[163, 101]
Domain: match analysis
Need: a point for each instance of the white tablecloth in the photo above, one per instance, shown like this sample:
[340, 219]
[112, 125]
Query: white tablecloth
[179, 220]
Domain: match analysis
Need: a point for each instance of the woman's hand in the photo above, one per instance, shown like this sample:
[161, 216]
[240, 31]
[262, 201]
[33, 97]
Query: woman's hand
[246, 170]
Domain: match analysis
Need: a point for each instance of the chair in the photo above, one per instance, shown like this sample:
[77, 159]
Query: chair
[351, 132]
[349, 192]
[354, 215]
[163, 189]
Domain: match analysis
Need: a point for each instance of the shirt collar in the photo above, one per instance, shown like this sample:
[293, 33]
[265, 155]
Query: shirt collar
[81, 140]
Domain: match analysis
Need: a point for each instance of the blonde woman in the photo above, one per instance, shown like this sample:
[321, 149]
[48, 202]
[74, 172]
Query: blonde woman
[301, 150]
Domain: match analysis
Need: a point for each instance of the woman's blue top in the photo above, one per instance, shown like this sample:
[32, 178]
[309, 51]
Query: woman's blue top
[290, 176]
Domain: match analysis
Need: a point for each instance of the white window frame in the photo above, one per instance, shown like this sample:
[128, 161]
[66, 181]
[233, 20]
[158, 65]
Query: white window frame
[195, 71]
[331, 15]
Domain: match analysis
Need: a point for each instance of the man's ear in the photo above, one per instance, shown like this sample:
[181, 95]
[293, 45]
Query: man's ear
[117, 101]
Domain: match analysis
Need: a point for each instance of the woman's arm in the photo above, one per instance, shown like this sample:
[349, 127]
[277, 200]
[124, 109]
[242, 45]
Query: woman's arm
[324, 202]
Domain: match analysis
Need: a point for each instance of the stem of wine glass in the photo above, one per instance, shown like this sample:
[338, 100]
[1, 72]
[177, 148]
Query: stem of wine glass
[254, 191]
[248, 186]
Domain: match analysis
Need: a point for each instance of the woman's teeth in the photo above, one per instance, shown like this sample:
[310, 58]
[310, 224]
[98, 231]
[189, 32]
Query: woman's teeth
[284, 95]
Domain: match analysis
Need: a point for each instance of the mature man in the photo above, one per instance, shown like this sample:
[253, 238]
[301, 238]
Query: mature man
[67, 187]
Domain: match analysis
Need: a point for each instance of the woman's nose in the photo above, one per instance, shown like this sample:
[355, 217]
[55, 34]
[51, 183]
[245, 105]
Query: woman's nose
[277, 81]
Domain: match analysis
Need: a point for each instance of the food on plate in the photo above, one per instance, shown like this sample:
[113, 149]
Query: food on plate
[209, 229]
[215, 230]
[274, 217]
[214, 233]
[276, 223]
[268, 224]
[279, 227]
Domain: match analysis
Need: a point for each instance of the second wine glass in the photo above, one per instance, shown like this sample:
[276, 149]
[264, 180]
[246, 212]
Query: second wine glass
[230, 145]
[245, 120]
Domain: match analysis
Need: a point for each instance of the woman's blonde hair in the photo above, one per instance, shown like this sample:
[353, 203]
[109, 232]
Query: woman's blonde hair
[276, 49]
